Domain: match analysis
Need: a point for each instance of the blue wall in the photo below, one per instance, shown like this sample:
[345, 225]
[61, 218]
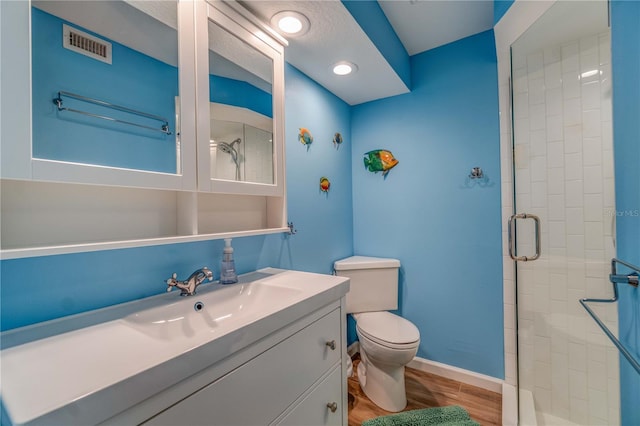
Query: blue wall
[445, 230]
[55, 286]
[625, 50]
[324, 220]
[241, 94]
[132, 80]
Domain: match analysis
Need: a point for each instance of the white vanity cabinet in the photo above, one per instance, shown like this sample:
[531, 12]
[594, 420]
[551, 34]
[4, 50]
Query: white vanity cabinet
[53, 167]
[298, 381]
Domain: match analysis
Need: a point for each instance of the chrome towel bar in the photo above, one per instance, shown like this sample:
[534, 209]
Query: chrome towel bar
[615, 278]
[164, 128]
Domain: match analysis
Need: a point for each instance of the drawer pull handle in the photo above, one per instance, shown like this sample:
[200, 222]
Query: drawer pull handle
[333, 406]
[332, 345]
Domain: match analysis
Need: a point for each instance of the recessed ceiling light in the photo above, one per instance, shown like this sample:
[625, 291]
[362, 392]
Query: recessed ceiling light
[344, 68]
[291, 23]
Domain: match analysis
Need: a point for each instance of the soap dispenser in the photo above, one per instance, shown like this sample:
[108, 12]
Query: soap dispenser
[228, 270]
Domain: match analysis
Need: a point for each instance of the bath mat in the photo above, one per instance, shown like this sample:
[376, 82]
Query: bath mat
[453, 415]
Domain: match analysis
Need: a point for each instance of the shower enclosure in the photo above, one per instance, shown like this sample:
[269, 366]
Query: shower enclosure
[563, 227]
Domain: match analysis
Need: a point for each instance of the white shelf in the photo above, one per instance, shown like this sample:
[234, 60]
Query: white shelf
[46, 218]
[113, 245]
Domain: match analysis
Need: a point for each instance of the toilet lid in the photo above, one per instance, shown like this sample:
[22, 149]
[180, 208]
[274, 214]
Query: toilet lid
[387, 327]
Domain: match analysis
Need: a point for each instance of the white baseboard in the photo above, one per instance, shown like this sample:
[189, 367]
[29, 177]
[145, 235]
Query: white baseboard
[458, 374]
[449, 372]
[353, 348]
[508, 392]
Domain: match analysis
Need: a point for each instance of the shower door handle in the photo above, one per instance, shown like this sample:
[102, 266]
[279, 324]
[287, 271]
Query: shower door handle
[512, 242]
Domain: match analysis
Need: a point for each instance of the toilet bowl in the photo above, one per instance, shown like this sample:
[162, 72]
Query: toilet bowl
[387, 343]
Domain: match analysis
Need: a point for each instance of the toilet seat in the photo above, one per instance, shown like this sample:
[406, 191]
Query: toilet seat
[387, 329]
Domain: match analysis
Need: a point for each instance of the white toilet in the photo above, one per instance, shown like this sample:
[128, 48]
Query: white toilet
[387, 342]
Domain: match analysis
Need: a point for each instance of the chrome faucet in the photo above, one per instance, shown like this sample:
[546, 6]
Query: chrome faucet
[189, 286]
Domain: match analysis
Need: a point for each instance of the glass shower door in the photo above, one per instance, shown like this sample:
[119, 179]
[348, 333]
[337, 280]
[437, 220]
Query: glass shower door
[563, 236]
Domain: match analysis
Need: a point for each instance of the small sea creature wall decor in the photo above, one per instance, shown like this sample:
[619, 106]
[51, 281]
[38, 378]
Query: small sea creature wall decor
[379, 160]
[305, 137]
[324, 184]
[337, 140]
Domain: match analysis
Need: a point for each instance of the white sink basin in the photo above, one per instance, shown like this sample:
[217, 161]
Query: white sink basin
[214, 310]
[85, 368]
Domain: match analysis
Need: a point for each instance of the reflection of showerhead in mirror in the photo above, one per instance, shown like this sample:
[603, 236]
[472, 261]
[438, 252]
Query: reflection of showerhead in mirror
[224, 147]
[228, 148]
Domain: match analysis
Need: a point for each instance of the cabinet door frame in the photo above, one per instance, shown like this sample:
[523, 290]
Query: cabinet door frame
[259, 37]
[17, 161]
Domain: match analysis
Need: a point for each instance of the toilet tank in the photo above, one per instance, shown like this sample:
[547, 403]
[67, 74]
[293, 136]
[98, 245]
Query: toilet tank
[374, 283]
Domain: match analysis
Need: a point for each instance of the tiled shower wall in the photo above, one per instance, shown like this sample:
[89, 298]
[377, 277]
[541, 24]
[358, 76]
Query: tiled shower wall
[563, 160]
[258, 156]
[255, 154]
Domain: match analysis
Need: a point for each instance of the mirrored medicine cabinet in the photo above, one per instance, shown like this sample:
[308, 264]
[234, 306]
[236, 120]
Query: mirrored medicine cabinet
[240, 146]
[175, 106]
[106, 100]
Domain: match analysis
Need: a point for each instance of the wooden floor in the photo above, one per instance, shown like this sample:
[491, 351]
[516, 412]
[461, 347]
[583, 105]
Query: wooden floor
[426, 390]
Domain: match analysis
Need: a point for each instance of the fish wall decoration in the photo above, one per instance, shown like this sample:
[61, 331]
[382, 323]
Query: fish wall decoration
[304, 136]
[379, 160]
[337, 140]
[324, 184]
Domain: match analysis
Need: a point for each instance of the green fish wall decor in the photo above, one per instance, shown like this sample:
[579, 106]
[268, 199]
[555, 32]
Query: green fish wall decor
[337, 140]
[304, 136]
[379, 160]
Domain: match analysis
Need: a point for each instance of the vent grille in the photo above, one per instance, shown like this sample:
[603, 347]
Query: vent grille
[86, 44]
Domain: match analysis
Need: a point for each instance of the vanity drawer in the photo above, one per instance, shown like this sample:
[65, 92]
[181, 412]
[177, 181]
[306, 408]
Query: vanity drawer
[323, 406]
[257, 392]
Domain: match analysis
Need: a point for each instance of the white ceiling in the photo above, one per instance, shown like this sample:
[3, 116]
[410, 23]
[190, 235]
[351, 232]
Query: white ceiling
[335, 35]
[424, 24]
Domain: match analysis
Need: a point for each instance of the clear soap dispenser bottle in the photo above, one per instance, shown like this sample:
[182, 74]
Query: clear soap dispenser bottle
[228, 270]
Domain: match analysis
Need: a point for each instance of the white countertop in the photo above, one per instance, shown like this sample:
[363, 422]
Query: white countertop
[85, 368]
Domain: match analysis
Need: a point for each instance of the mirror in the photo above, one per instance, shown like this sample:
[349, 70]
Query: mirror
[105, 83]
[241, 125]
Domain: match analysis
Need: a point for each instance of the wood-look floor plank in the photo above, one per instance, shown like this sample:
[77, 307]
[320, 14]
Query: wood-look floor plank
[425, 390]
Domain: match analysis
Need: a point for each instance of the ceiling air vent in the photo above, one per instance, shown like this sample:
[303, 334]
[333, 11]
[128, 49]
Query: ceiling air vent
[86, 44]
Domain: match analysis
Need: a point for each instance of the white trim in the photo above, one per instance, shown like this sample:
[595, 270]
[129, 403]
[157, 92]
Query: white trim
[70, 172]
[518, 18]
[251, 18]
[458, 374]
[528, 416]
[113, 245]
[15, 102]
[509, 405]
